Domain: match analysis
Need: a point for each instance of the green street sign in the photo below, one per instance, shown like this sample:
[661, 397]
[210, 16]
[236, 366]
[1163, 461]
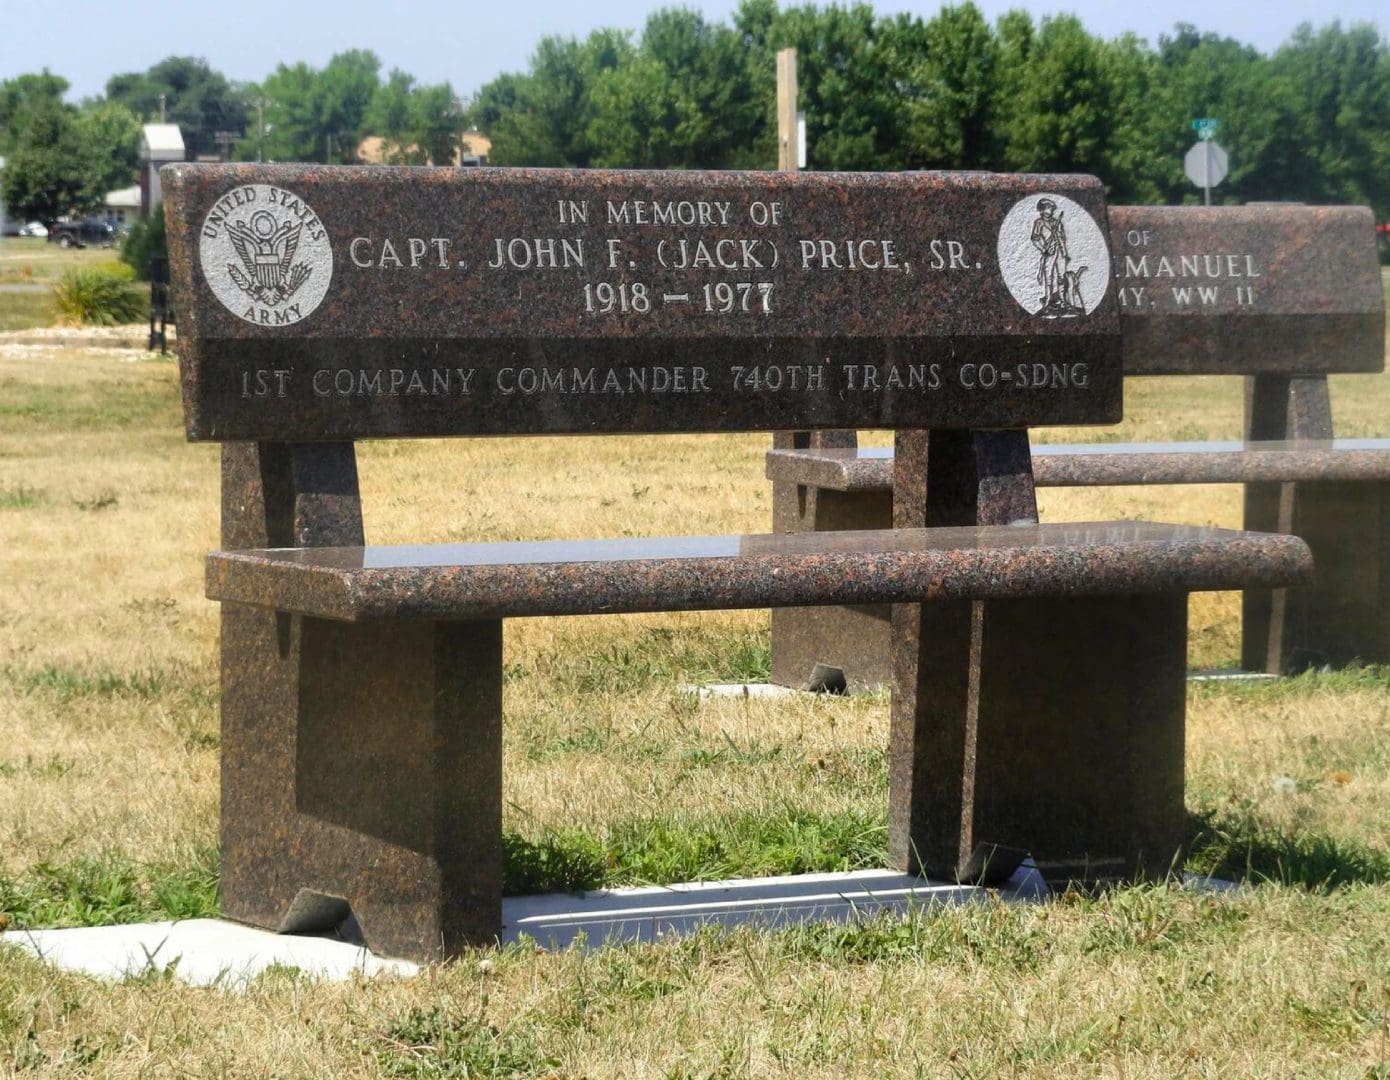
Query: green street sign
[1205, 127]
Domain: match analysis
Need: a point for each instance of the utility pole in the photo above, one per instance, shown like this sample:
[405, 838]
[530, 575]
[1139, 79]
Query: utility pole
[782, 493]
[787, 150]
[260, 129]
[161, 108]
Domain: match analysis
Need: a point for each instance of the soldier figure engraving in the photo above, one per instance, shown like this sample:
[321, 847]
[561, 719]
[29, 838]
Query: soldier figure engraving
[1061, 298]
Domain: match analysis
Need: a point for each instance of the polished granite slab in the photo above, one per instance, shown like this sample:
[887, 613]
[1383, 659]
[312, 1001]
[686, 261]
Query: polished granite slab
[1098, 464]
[562, 577]
[1247, 290]
[420, 302]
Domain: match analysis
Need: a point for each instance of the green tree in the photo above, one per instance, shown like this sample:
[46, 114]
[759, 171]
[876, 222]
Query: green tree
[109, 135]
[1136, 167]
[47, 173]
[389, 117]
[437, 121]
[1205, 75]
[316, 115]
[953, 116]
[545, 116]
[850, 74]
[196, 97]
[418, 124]
[686, 99]
[1340, 88]
[22, 93]
[1078, 104]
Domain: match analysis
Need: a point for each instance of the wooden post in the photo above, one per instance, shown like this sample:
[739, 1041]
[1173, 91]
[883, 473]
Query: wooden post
[786, 110]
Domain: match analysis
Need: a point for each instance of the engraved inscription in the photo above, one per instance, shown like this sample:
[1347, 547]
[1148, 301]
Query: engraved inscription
[717, 274]
[495, 302]
[1183, 279]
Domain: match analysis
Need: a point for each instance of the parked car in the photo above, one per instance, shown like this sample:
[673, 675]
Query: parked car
[69, 234]
[34, 228]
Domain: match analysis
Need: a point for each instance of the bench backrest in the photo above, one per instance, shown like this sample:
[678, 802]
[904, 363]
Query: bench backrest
[341, 303]
[1268, 289]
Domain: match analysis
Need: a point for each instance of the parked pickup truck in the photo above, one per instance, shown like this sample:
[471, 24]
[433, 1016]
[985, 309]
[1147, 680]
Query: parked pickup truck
[70, 234]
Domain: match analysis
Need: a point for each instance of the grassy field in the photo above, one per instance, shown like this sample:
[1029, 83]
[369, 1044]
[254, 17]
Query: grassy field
[27, 262]
[33, 260]
[108, 795]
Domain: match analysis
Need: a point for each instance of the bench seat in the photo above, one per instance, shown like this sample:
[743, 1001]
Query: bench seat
[1119, 464]
[693, 573]
[1333, 493]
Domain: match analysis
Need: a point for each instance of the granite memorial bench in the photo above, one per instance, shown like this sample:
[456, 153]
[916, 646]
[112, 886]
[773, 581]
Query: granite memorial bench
[1039, 696]
[1280, 294]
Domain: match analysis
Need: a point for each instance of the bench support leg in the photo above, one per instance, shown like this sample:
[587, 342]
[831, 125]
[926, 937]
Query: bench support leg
[362, 771]
[361, 764]
[977, 474]
[1343, 615]
[1045, 727]
[1052, 728]
[850, 640]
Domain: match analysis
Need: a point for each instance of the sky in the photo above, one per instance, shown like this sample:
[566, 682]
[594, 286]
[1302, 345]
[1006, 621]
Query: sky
[467, 44]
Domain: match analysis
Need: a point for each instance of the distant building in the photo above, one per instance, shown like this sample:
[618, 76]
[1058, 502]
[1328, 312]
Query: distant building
[122, 207]
[473, 149]
[476, 147]
[159, 145]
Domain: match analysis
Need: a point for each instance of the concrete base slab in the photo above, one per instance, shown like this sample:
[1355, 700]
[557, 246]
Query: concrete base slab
[201, 952]
[738, 690]
[206, 952]
[774, 691]
[646, 913]
[1230, 675]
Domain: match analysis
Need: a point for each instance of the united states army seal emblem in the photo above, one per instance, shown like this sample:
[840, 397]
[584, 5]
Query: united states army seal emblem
[265, 255]
[1054, 257]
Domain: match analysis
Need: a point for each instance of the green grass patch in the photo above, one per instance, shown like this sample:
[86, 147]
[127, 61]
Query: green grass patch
[994, 935]
[601, 741]
[109, 889]
[192, 700]
[21, 497]
[34, 259]
[451, 1040]
[1375, 677]
[25, 310]
[1237, 844]
[52, 767]
[661, 851]
[123, 404]
[667, 656]
[67, 684]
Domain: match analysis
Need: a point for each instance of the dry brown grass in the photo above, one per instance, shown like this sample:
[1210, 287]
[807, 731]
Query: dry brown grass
[108, 749]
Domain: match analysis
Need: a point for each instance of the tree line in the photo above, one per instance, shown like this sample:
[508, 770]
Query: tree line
[63, 158]
[1309, 122]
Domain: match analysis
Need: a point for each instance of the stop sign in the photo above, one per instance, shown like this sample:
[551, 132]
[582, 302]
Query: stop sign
[1206, 164]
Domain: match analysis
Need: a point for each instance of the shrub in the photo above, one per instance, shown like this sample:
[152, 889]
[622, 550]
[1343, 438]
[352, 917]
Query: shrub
[144, 242]
[98, 296]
